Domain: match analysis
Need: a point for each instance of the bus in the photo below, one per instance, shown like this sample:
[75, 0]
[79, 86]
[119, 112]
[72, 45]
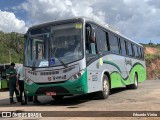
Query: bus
[79, 56]
[3, 79]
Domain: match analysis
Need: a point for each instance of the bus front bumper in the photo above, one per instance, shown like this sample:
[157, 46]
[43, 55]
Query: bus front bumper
[68, 87]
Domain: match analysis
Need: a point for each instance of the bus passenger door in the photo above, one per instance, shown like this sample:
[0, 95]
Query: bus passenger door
[91, 57]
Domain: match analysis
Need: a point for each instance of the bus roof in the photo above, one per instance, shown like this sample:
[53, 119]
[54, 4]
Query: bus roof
[106, 26]
[57, 22]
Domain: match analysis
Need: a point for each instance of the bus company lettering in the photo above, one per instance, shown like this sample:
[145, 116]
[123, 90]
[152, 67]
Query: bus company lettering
[128, 62]
[59, 77]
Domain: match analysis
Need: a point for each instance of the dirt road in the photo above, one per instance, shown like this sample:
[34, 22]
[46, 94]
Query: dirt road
[145, 98]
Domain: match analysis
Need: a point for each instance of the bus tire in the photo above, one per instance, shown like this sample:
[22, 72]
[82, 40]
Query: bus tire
[135, 85]
[106, 88]
[58, 97]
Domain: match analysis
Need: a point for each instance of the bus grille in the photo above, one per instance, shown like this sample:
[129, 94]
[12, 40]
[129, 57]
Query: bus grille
[57, 89]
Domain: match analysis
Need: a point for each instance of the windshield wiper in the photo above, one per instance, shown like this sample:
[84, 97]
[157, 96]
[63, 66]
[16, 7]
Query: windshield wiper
[61, 62]
[59, 59]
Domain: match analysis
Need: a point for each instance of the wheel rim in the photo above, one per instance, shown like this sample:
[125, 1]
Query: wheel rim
[136, 82]
[105, 86]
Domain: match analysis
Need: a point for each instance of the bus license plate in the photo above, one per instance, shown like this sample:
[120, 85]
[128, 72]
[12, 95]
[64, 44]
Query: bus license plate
[50, 93]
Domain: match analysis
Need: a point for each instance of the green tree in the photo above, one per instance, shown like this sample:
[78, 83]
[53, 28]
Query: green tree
[12, 42]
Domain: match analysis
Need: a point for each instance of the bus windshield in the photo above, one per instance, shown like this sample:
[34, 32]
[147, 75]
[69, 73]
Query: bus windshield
[54, 45]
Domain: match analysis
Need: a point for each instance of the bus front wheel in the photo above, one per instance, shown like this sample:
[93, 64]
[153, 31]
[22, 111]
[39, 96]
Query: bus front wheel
[106, 88]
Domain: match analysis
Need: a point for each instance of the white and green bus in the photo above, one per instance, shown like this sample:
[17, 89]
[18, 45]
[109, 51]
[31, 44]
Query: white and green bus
[80, 56]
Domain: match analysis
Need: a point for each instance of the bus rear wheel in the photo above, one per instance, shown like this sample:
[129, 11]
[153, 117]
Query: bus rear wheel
[106, 88]
[58, 97]
[135, 85]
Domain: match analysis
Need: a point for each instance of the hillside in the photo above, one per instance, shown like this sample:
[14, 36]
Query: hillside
[152, 57]
[11, 47]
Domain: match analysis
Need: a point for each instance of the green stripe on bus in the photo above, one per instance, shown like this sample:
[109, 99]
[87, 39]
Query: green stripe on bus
[118, 81]
[111, 63]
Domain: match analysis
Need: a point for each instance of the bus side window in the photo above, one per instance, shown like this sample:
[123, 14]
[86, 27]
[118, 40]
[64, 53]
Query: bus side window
[126, 47]
[87, 40]
[108, 44]
[113, 40]
[91, 47]
[141, 55]
[139, 51]
[142, 50]
[101, 37]
[119, 44]
[130, 52]
[88, 32]
[135, 51]
[123, 47]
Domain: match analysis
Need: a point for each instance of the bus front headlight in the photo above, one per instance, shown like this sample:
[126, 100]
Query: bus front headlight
[76, 76]
[28, 81]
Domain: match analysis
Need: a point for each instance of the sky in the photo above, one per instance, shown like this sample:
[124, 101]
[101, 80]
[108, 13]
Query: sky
[138, 20]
